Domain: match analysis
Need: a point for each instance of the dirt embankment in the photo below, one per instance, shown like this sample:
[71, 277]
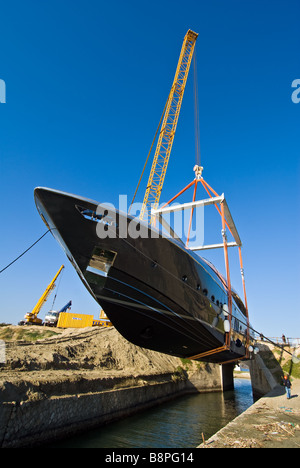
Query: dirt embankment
[86, 348]
[84, 360]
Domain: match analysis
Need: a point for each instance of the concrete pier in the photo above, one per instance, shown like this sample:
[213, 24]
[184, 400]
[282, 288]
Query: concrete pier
[227, 376]
[265, 371]
[272, 422]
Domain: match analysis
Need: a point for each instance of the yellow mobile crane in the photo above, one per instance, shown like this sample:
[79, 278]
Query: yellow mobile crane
[32, 317]
[168, 128]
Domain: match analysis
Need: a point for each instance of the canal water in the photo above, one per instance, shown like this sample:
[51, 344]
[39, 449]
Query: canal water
[176, 424]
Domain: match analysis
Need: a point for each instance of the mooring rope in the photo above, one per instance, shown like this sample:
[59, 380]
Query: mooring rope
[25, 251]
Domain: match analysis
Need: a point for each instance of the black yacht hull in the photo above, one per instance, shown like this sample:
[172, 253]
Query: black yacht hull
[156, 293]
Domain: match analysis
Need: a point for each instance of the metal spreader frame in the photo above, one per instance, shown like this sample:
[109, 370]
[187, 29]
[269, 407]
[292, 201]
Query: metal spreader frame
[227, 221]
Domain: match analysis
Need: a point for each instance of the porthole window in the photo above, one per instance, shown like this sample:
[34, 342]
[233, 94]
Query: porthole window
[213, 298]
[198, 287]
[205, 292]
[184, 278]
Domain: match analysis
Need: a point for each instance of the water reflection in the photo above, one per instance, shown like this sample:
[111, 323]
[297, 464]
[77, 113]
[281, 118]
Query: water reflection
[177, 424]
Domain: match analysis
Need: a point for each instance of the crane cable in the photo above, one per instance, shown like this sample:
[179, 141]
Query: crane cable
[25, 251]
[197, 128]
[145, 165]
[196, 113]
[57, 289]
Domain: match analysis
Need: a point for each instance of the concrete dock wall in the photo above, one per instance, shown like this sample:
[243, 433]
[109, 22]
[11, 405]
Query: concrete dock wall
[55, 410]
[31, 422]
[261, 377]
[47, 418]
[265, 371]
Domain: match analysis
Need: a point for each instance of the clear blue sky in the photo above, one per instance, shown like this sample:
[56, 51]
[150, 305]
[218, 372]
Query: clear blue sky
[86, 83]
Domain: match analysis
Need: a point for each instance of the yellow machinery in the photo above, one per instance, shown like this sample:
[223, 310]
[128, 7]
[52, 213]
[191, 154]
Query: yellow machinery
[103, 320]
[168, 128]
[32, 317]
[70, 320]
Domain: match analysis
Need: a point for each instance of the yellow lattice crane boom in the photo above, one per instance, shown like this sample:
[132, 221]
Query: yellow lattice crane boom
[168, 128]
[32, 317]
